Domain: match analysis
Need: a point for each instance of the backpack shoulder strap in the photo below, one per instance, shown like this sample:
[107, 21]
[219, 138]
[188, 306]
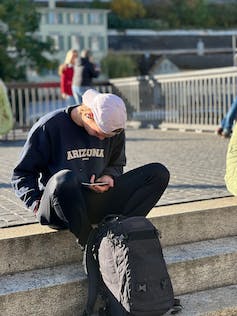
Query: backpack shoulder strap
[93, 274]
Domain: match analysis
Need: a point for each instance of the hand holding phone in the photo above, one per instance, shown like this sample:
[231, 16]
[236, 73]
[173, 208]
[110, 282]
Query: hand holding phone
[94, 183]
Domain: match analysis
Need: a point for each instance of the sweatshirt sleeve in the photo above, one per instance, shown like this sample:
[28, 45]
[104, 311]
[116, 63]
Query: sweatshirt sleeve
[33, 159]
[118, 158]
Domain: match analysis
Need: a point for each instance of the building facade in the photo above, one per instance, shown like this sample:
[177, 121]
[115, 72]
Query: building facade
[74, 28]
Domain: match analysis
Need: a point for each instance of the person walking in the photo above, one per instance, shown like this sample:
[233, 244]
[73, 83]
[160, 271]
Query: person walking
[68, 152]
[225, 129]
[84, 72]
[65, 72]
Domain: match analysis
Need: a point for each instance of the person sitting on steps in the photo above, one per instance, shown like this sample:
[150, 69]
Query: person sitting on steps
[78, 144]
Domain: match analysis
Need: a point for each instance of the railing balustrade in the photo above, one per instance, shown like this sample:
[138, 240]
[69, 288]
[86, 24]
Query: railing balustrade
[195, 99]
[199, 98]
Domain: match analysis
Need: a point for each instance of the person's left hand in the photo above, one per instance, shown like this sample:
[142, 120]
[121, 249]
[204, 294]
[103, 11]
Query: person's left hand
[102, 188]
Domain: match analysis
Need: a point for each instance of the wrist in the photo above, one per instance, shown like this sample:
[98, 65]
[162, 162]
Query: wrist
[35, 206]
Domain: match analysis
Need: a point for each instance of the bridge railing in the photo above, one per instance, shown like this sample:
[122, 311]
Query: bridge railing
[30, 101]
[199, 98]
[192, 99]
[195, 99]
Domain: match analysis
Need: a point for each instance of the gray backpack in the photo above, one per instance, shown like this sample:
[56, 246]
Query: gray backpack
[125, 265]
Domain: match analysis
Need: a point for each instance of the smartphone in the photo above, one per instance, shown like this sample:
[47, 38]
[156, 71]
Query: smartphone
[95, 183]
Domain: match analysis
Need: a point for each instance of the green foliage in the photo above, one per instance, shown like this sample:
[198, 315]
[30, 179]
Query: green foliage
[224, 16]
[115, 22]
[187, 13]
[99, 5]
[172, 14]
[128, 9]
[19, 47]
[117, 66]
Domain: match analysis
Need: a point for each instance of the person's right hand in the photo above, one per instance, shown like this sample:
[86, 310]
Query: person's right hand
[64, 96]
[104, 188]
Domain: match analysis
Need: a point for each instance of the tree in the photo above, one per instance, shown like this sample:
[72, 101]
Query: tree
[128, 9]
[117, 66]
[186, 13]
[182, 13]
[19, 46]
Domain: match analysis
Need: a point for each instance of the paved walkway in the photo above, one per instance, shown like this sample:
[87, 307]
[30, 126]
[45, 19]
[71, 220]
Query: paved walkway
[196, 163]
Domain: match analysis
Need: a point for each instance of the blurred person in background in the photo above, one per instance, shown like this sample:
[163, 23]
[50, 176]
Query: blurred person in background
[84, 72]
[65, 72]
[231, 163]
[6, 117]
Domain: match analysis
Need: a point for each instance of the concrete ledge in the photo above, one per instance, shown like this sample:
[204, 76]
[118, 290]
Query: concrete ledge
[34, 246]
[196, 206]
[195, 221]
[188, 127]
[25, 230]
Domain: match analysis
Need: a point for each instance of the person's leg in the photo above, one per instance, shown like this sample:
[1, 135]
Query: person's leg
[62, 205]
[231, 115]
[70, 100]
[135, 193]
[77, 94]
[67, 204]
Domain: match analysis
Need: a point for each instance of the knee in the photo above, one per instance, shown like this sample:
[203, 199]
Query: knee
[159, 172]
[65, 180]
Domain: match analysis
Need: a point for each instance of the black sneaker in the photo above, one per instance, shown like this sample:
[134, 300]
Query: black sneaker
[226, 133]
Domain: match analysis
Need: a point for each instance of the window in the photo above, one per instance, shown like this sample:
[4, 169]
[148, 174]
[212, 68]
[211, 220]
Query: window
[51, 18]
[96, 43]
[58, 41]
[76, 41]
[60, 18]
[95, 18]
[55, 18]
[74, 18]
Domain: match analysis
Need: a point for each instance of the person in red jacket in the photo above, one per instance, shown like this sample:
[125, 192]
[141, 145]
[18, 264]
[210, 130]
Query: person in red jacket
[65, 72]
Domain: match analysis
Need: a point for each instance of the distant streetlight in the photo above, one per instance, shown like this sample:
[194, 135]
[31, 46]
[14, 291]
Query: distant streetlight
[200, 47]
[234, 50]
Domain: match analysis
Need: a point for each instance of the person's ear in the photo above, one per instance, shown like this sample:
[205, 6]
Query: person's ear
[89, 115]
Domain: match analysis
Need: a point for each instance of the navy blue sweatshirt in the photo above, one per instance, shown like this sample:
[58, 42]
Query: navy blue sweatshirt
[55, 143]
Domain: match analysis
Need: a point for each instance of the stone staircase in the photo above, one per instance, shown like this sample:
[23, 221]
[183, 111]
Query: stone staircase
[41, 272]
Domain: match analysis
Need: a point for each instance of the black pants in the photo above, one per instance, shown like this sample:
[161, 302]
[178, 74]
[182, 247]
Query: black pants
[68, 204]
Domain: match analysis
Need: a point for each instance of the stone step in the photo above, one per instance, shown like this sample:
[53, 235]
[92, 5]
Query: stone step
[34, 246]
[195, 221]
[193, 267]
[51, 291]
[202, 265]
[215, 302]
